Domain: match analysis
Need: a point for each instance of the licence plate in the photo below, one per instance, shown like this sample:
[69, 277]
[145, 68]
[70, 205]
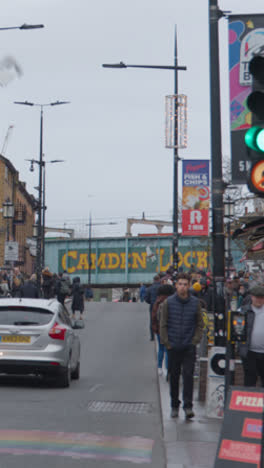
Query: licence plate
[15, 339]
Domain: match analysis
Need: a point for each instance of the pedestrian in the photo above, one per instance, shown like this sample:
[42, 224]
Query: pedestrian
[17, 282]
[142, 292]
[243, 295]
[230, 294]
[206, 294]
[150, 298]
[252, 351]
[4, 287]
[89, 293]
[62, 288]
[29, 288]
[164, 291]
[126, 297]
[47, 283]
[181, 329]
[77, 297]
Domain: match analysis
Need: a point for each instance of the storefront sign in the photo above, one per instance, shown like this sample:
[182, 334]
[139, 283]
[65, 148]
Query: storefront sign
[240, 440]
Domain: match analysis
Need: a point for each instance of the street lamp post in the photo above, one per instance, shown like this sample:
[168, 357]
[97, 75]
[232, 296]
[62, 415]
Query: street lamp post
[32, 162]
[111, 223]
[8, 214]
[175, 68]
[24, 27]
[40, 200]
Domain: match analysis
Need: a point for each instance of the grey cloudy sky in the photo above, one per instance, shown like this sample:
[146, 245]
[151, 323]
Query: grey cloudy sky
[112, 133]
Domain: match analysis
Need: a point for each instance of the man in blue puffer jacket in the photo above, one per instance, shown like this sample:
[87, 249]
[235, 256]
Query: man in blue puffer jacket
[181, 329]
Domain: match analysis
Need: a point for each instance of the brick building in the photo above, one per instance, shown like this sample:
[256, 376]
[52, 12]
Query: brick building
[20, 227]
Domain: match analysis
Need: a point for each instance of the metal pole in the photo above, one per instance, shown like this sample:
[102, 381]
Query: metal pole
[90, 250]
[228, 240]
[218, 244]
[43, 214]
[175, 165]
[229, 358]
[39, 238]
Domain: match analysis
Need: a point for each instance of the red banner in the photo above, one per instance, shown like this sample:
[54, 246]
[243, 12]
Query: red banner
[195, 198]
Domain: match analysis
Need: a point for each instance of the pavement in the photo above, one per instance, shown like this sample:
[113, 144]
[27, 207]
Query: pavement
[188, 443]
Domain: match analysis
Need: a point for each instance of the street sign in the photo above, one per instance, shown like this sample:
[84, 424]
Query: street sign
[11, 251]
[241, 438]
[31, 243]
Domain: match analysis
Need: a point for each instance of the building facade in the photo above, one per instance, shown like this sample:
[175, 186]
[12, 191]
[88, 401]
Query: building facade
[19, 228]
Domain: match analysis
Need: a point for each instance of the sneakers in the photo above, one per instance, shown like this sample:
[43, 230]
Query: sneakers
[189, 414]
[160, 372]
[174, 412]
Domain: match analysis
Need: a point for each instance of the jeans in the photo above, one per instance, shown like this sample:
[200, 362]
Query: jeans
[161, 352]
[253, 366]
[181, 361]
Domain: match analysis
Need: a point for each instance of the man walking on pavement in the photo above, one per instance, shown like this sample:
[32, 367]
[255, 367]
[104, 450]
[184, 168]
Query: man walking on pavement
[252, 352]
[150, 298]
[181, 329]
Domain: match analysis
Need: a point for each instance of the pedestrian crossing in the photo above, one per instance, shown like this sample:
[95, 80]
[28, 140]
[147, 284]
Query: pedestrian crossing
[76, 445]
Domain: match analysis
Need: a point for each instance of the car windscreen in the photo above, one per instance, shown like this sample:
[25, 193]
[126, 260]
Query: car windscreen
[24, 316]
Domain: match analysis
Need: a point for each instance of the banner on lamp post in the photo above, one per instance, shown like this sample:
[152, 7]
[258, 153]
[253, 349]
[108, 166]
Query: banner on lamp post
[195, 197]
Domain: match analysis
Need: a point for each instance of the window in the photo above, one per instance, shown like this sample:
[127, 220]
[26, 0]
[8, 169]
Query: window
[20, 316]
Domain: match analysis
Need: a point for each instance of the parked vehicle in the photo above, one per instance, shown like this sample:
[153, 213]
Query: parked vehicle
[37, 337]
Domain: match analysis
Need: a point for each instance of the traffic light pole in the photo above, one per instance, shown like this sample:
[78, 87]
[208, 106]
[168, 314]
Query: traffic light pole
[218, 239]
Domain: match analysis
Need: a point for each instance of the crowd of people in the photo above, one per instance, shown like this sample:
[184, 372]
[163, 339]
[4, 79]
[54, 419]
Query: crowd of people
[178, 310]
[17, 284]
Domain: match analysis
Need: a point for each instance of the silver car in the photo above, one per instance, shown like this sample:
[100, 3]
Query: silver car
[37, 337]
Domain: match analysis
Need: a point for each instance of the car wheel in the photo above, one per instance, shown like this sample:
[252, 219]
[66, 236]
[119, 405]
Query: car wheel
[65, 378]
[76, 373]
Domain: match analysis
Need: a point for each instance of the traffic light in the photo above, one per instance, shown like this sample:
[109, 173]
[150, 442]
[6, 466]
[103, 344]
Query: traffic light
[254, 137]
[236, 327]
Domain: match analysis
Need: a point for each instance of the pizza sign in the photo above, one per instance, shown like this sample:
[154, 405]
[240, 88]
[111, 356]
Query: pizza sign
[241, 437]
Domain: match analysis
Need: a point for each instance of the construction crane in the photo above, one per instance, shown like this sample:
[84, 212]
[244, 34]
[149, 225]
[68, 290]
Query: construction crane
[8, 133]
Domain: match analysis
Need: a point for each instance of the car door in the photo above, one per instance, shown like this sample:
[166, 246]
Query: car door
[74, 345]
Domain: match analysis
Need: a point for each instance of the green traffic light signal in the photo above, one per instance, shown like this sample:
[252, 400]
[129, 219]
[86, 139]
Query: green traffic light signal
[254, 139]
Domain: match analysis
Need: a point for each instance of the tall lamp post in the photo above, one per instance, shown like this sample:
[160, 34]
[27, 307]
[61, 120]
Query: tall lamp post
[91, 224]
[24, 27]
[8, 214]
[40, 200]
[175, 68]
[32, 162]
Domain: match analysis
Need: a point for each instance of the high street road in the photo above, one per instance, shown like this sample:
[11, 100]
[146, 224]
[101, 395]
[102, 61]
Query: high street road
[111, 417]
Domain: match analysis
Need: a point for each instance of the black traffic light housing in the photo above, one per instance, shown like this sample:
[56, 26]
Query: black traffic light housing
[237, 327]
[254, 137]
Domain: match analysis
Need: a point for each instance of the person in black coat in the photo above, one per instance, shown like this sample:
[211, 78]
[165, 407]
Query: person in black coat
[150, 298]
[77, 297]
[29, 288]
[252, 351]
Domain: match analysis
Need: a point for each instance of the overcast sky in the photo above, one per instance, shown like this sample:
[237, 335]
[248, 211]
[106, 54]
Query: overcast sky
[111, 135]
